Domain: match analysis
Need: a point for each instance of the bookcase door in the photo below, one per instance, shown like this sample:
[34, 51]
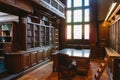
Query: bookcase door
[30, 36]
[37, 35]
[42, 36]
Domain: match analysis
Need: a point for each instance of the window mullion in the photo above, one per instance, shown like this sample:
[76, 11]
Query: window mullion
[83, 20]
[72, 21]
[72, 31]
[82, 31]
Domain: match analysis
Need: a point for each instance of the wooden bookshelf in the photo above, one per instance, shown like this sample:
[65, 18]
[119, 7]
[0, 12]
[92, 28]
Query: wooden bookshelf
[30, 36]
[55, 6]
[51, 38]
[6, 30]
[114, 29]
[39, 32]
[6, 36]
[36, 32]
[115, 36]
[42, 28]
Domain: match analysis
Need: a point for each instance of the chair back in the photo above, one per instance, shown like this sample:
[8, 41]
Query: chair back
[62, 59]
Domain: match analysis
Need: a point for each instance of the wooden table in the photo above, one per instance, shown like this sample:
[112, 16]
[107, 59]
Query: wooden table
[82, 57]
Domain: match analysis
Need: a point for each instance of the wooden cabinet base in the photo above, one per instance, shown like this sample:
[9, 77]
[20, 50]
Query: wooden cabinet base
[13, 63]
[20, 61]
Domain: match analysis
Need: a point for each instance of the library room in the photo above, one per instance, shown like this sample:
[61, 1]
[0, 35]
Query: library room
[59, 39]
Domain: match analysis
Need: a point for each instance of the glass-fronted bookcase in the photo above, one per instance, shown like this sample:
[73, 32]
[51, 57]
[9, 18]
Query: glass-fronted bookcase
[40, 34]
[6, 32]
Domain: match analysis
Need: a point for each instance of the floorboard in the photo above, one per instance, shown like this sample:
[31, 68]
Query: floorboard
[45, 73]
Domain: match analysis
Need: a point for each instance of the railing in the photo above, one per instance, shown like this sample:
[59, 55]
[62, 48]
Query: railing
[55, 6]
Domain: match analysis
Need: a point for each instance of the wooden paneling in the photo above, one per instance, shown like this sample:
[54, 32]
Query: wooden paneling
[15, 36]
[15, 7]
[26, 61]
[103, 38]
[24, 4]
[22, 33]
[103, 33]
[40, 56]
[20, 61]
[93, 21]
[9, 1]
[33, 58]
[13, 63]
[115, 35]
[49, 53]
[45, 54]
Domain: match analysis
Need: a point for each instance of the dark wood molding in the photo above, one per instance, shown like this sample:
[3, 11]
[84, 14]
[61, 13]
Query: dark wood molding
[12, 7]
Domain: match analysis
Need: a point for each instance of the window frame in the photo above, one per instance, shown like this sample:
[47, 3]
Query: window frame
[83, 23]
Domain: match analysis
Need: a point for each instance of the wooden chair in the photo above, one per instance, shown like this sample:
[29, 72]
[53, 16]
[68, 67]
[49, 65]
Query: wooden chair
[64, 70]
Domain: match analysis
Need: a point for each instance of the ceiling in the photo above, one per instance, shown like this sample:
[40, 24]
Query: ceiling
[103, 7]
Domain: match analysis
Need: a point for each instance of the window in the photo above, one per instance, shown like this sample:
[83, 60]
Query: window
[68, 16]
[87, 17]
[77, 14]
[86, 2]
[78, 19]
[77, 31]
[77, 3]
[69, 4]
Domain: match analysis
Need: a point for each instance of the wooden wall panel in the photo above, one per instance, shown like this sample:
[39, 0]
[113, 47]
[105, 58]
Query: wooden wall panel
[22, 33]
[40, 56]
[33, 58]
[103, 33]
[13, 63]
[9, 1]
[93, 21]
[25, 4]
[25, 61]
[16, 7]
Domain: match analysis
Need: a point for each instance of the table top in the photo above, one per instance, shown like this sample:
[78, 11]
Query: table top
[76, 52]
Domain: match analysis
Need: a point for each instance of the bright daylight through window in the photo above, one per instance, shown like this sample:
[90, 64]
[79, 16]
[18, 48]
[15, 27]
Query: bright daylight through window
[78, 19]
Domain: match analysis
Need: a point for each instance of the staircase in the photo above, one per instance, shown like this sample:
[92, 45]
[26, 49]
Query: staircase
[102, 67]
[111, 54]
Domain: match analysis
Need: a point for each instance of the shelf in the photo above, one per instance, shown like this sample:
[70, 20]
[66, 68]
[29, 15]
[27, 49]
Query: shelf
[5, 42]
[115, 35]
[55, 6]
[39, 35]
[6, 35]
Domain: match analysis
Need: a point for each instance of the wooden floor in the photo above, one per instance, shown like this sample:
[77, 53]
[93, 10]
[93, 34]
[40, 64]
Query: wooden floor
[45, 73]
